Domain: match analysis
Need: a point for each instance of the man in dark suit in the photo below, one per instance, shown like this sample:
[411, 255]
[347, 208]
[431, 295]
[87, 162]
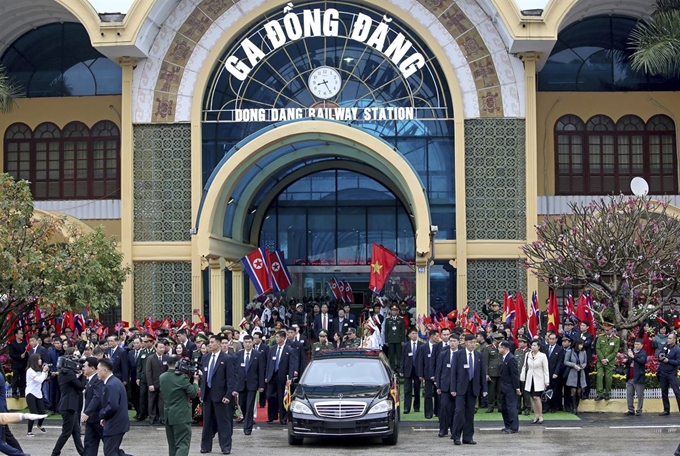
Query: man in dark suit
[408, 370]
[114, 409]
[132, 357]
[35, 347]
[468, 382]
[188, 345]
[324, 320]
[156, 364]
[300, 349]
[250, 367]
[510, 391]
[281, 365]
[17, 351]
[70, 404]
[555, 355]
[217, 387]
[262, 347]
[443, 382]
[427, 355]
[93, 402]
[342, 323]
[119, 358]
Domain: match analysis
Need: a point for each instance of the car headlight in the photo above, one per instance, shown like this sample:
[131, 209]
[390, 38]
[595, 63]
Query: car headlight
[381, 407]
[299, 407]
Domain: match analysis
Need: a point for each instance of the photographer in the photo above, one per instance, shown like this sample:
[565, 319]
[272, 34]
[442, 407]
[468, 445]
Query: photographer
[71, 386]
[177, 391]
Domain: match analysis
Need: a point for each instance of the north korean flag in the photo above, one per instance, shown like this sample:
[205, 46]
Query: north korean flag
[279, 271]
[348, 293]
[333, 284]
[257, 268]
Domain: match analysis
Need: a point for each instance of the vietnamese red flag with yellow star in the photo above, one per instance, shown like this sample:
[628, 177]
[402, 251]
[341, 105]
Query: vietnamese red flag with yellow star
[553, 313]
[382, 263]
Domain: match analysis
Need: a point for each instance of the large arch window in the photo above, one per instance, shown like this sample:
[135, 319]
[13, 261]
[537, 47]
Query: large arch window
[593, 55]
[58, 60]
[70, 163]
[600, 157]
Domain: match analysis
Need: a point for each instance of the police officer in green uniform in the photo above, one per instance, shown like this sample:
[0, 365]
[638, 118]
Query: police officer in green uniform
[521, 355]
[351, 339]
[606, 347]
[492, 310]
[395, 335]
[322, 344]
[144, 353]
[492, 360]
[177, 391]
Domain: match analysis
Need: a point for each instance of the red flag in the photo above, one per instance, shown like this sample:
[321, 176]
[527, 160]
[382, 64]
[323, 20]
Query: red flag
[521, 317]
[382, 263]
[532, 328]
[569, 306]
[508, 308]
[349, 293]
[584, 312]
[257, 267]
[553, 312]
[279, 271]
[68, 320]
[334, 288]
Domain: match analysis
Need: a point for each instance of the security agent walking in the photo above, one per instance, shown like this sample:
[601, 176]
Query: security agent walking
[114, 410]
[71, 386]
[510, 391]
[468, 382]
[156, 365]
[408, 370]
[280, 368]
[250, 367]
[94, 388]
[217, 385]
[669, 360]
[177, 392]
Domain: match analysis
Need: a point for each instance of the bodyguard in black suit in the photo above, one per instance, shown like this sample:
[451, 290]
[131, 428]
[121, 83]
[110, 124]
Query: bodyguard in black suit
[427, 355]
[342, 323]
[114, 411]
[118, 357]
[408, 369]
[250, 367]
[555, 355]
[132, 356]
[189, 346]
[264, 349]
[509, 388]
[319, 321]
[71, 387]
[93, 402]
[443, 382]
[35, 347]
[217, 387]
[17, 351]
[156, 365]
[467, 383]
[281, 365]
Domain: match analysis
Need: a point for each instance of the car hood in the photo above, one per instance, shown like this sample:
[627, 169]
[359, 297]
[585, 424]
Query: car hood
[310, 392]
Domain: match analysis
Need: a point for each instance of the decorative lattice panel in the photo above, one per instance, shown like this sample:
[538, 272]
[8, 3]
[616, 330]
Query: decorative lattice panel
[488, 279]
[495, 178]
[162, 289]
[162, 182]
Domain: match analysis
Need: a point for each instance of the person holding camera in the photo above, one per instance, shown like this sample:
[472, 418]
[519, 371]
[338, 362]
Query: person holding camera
[35, 376]
[71, 387]
[177, 392]
[669, 360]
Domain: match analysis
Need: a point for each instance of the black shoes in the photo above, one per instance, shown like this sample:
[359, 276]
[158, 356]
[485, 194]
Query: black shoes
[406, 412]
[442, 434]
[664, 413]
[599, 398]
[638, 413]
[456, 442]
[630, 413]
[469, 442]
[509, 431]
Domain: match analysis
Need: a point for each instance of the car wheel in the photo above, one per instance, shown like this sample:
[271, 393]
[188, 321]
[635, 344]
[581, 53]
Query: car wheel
[392, 439]
[292, 440]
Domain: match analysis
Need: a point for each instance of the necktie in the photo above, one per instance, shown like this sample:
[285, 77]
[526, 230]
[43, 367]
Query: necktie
[278, 358]
[471, 370]
[413, 350]
[247, 360]
[210, 370]
[136, 354]
[550, 351]
[325, 324]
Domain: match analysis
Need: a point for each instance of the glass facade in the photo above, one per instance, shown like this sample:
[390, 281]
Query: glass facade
[58, 60]
[593, 55]
[370, 79]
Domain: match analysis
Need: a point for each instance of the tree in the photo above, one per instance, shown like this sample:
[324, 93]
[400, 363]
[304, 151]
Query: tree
[48, 263]
[625, 249]
[657, 41]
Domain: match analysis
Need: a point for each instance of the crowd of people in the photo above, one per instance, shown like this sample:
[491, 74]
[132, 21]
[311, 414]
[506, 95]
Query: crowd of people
[175, 378]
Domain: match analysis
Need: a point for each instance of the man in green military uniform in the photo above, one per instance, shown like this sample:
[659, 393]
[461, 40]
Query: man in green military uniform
[144, 353]
[492, 310]
[395, 334]
[351, 341]
[322, 344]
[672, 313]
[177, 392]
[606, 347]
[521, 355]
[492, 361]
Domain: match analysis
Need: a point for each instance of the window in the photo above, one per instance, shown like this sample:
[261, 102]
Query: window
[593, 55]
[72, 163]
[614, 154]
[58, 60]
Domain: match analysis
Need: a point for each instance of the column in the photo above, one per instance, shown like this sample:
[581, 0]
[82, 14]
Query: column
[461, 215]
[126, 186]
[196, 285]
[237, 293]
[216, 293]
[422, 285]
[531, 156]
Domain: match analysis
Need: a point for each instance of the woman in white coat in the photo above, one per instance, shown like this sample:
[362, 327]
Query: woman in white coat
[536, 377]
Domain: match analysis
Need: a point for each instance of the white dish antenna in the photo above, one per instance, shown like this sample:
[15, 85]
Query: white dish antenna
[639, 186]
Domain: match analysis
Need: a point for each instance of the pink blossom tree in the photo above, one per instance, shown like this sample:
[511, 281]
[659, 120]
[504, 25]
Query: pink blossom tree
[625, 249]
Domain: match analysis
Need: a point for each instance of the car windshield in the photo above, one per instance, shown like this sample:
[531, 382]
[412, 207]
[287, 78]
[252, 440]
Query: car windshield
[345, 371]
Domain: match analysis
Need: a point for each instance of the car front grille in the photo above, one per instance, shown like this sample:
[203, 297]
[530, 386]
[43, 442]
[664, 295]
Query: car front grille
[340, 409]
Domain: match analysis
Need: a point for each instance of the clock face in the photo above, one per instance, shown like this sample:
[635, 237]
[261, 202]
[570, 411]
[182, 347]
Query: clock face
[324, 82]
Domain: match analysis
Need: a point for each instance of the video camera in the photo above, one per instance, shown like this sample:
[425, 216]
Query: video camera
[70, 363]
[184, 366]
